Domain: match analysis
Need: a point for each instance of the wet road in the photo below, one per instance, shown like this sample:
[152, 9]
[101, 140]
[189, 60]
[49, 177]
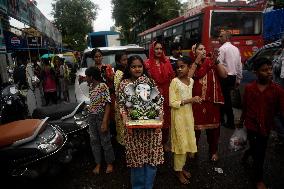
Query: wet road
[78, 174]
[232, 175]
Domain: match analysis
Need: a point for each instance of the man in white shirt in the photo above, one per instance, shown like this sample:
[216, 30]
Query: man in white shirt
[229, 56]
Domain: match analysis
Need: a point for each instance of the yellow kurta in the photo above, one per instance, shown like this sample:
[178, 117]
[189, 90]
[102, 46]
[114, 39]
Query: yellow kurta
[118, 119]
[182, 129]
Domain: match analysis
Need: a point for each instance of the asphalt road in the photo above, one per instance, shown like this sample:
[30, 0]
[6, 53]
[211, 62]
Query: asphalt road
[227, 173]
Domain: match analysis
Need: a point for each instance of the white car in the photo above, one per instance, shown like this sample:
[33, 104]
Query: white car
[82, 89]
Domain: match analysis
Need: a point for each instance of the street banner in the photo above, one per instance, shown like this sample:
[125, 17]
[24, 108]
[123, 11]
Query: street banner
[13, 41]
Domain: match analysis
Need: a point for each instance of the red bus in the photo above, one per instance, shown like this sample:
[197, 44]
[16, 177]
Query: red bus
[203, 23]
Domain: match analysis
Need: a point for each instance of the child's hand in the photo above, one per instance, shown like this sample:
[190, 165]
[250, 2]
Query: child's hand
[196, 99]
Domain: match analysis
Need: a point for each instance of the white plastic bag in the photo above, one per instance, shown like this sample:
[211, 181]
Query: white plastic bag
[238, 140]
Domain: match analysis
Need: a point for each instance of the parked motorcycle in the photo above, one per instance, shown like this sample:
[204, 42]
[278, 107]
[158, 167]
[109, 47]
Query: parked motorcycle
[32, 147]
[13, 104]
[27, 145]
[72, 120]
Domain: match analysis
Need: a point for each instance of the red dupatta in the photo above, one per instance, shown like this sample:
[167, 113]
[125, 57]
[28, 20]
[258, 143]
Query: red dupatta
[162, 73]
[207, 84]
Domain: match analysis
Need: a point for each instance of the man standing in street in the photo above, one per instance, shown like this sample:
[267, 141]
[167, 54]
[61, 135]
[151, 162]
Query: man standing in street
[229, 56]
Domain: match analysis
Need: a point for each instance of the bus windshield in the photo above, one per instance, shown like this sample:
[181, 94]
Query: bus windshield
[238, 23]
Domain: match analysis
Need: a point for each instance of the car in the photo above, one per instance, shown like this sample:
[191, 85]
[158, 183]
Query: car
[82, 89]
[269, 51]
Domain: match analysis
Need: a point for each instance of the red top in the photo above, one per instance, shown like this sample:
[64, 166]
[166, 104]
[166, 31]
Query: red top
[162, 74]
[259, 108]
[207, 85]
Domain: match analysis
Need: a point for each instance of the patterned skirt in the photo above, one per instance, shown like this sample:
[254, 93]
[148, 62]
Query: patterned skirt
[144, 146]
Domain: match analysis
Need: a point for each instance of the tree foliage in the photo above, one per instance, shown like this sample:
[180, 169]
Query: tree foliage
[135, 16]
[74, 19]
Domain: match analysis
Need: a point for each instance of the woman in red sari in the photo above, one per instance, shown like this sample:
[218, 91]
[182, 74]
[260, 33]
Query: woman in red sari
[207, 86]
[160, 69]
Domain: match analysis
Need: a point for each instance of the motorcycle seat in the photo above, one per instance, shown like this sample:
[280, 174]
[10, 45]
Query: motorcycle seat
[54, 112]
[18, 132]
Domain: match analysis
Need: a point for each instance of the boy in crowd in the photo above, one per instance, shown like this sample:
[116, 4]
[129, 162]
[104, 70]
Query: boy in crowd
[262, 100]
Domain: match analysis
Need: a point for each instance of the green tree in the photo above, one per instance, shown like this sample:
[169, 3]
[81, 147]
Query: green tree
[135, 16]
[74, 19]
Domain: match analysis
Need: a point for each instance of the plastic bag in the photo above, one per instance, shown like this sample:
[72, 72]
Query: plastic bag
[238, 140]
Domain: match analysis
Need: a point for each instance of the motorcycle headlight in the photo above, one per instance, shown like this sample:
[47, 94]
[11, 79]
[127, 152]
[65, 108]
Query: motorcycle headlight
[52, 145]
[81, 119]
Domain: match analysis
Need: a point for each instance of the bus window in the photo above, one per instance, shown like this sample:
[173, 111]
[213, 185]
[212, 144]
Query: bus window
[192, 32]
[178, 30]
[148, 37]
[237, 23]
[168, 32]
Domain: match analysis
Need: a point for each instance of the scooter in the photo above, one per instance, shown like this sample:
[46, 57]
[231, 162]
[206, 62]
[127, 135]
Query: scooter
[28, 147]
[32, 147]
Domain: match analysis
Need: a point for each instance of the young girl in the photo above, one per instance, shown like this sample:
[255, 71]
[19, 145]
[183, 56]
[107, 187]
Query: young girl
[182, 130]
[99, 111]
[121, 62]
[107, 76]
[144, 149]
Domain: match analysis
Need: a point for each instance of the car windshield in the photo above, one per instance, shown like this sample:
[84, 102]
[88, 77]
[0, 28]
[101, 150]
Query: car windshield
[239, 23]
[109, 58]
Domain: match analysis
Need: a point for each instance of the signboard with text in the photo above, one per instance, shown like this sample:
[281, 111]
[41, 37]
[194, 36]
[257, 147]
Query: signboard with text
[34, 41]
[26, 12]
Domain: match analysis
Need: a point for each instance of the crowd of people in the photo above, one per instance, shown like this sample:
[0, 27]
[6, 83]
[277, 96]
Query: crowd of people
[48, 78]
[195, 91]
